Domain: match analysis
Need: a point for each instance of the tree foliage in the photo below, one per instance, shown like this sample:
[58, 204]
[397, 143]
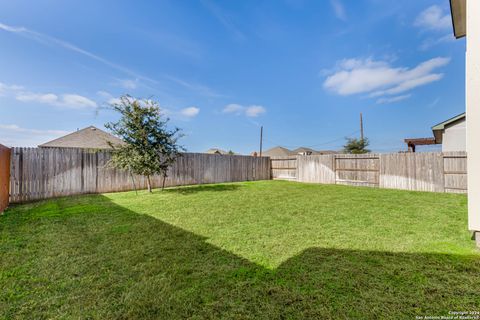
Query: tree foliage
[150, 147]
[356, 146]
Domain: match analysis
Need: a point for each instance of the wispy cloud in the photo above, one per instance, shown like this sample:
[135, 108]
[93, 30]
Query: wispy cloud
[129, 84]
[190, 112]
[47, 39]
[433, 103]
[203, 90]
[433, 18]
[16, 128]
[107, 99]
[355, 76]
[14, 135]
[393, 99]
[339, 9]
[224, 18]
[67, 100]
[430, 42]
[7, 89]
[251, 111]
[73, 101]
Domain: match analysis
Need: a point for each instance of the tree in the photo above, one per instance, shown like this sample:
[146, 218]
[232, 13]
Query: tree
[231, 153]
[150, 147]
[356, 146]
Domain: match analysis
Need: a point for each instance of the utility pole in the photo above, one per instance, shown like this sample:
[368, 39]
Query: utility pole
[261, 139]
[361, 126]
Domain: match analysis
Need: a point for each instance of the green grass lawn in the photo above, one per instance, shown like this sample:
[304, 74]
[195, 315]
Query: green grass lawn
[253, 250]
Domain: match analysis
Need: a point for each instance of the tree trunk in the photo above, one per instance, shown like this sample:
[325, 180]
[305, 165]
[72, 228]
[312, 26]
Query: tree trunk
[163, 183]
[149, 185]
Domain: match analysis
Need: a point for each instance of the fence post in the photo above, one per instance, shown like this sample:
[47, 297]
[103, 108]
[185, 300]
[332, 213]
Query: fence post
[5, 155]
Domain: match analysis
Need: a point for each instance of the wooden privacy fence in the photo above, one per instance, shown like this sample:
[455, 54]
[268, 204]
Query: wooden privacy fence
[41, 173]
[4, 176]
[437, 172]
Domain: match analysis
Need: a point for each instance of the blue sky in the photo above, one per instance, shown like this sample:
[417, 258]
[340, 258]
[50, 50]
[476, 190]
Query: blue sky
[220, 69]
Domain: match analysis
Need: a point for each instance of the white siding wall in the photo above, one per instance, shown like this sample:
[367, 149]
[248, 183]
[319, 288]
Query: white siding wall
[473, 112]
[454, 137]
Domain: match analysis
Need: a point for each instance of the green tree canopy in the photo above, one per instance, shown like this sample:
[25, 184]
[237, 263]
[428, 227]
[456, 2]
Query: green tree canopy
[356, 146]
[150, 147]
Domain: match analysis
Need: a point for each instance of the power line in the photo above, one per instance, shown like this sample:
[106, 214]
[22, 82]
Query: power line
[313, 145]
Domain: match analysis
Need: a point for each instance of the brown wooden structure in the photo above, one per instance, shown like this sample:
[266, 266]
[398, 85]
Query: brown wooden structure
[4, 177]
[413, 142]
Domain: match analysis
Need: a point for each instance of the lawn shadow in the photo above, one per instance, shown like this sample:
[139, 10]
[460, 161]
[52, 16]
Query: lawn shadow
[99, 260]
[202, 188]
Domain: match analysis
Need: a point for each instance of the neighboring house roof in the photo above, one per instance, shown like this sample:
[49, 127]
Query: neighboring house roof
[439, 128]
[304, 150]
[281, 151]
[216, 151]
[277, 152]
[326, 152]
[87, 138]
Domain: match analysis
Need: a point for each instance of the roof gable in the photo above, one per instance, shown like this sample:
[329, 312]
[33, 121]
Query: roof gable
[278, 151]
[87, 138]
[445, 123]
[439, 128]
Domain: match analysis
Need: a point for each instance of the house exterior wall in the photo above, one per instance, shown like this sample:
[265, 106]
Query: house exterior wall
[454, 137]
[473, 113]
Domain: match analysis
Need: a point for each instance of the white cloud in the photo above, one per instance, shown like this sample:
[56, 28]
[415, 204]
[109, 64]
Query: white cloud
[430, 42]
[339, 9]
[354, 76]
[393, 99]
[190, 112]
[249, 111]
[128, 84]
[68, 100]
[254, 111]
[233, 108]
[409, 84]
[108, 98]
[77, 101]
[16, 128]
[48, 98]
[6, 89]
[73, 101]
[14, 135]
[433, 18]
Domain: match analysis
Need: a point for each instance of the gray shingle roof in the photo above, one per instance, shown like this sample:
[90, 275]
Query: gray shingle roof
[87, 138]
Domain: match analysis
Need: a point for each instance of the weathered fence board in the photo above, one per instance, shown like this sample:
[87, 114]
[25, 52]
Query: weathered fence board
[316, 168]
[4, 176]
[41, 173]
[412, 171]
[360, 170]
[284, 168]
[455, 171]
[434, 171]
